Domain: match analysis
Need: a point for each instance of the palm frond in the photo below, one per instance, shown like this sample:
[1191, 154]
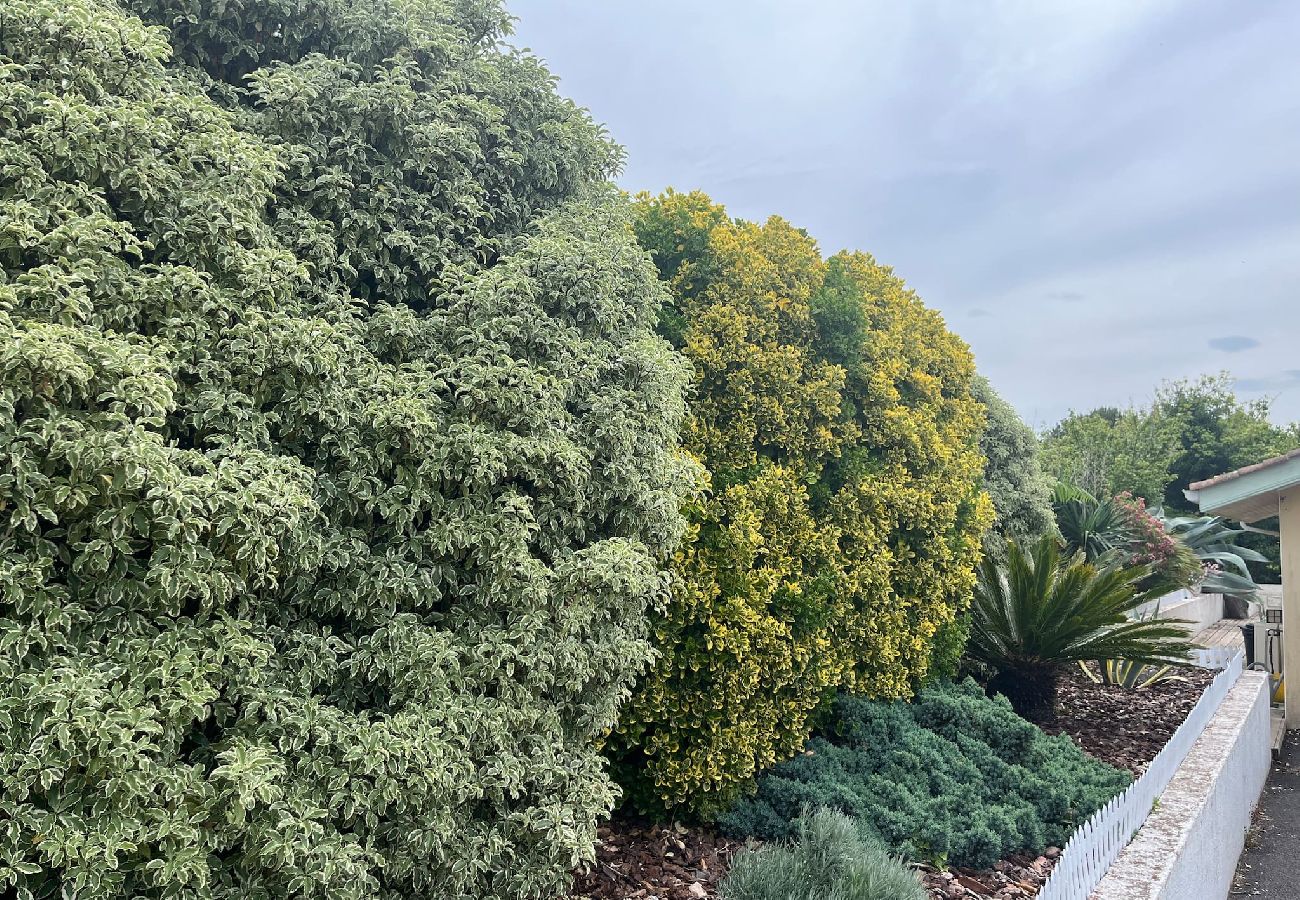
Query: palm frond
[1215, 543]
[1043, 610]
[1094, 527]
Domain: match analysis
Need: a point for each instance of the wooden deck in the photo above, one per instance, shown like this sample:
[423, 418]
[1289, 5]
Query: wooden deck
[1223, 633]
[1227, 633]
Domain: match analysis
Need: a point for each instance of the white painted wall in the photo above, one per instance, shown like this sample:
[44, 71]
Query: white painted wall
[1200, 611]
[1189, 846]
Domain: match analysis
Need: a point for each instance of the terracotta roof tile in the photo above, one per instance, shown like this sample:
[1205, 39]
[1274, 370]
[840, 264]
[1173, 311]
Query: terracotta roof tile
[1246, 470]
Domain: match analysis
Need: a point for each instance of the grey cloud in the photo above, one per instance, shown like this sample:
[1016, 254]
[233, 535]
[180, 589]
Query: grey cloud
[1134, 163]
[1289, 378]
[1233, 343]
[1064, 296]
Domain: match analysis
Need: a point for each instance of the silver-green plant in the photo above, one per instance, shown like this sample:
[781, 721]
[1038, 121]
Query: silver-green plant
[832, 857]
[1215, 544]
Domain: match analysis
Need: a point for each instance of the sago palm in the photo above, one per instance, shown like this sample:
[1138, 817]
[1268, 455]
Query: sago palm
[1039, 611]
[1095, 526]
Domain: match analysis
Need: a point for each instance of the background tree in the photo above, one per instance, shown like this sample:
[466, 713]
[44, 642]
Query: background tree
[1109, 451]
[1192, 430]
[336, 454]
[1021, 493]
[1215, 432]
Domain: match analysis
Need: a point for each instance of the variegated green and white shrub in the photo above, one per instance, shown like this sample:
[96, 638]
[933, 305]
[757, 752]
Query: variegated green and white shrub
[336, 453]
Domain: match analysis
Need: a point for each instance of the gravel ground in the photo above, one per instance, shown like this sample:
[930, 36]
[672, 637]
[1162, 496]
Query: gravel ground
[1269, 867]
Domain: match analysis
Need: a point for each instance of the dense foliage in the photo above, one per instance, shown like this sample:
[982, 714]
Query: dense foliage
[952, 775]
[1123, 529]
[335, 454]
[1191, 430]
[1108, 451]
[831, 858]
[1015, 482]
[835, 539]
[1039, 611]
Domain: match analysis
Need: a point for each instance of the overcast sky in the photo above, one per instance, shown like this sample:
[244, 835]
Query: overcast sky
[1098, 194]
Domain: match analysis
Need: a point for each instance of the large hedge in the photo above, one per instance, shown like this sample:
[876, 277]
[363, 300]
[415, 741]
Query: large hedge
[953, 776]
[838, 530]
[335, 454]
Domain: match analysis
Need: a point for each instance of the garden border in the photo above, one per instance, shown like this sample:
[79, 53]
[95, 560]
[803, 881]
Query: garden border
[1098, 842]
[1189, 846]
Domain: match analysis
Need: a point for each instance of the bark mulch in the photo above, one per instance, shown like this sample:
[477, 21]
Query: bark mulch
[644, 861]
[1126, 728]
[641, 861]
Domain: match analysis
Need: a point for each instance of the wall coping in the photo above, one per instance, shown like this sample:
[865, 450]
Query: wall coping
[1149, 864]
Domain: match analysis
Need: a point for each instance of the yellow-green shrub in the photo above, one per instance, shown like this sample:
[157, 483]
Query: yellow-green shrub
[837, 531]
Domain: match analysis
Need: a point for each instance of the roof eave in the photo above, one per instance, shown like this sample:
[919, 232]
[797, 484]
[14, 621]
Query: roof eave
[1251, 496]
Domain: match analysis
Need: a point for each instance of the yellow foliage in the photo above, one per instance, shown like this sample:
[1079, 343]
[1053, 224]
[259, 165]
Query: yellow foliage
[835, 541]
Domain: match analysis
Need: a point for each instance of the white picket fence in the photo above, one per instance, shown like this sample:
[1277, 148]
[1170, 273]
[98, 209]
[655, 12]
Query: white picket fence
[1095, 845]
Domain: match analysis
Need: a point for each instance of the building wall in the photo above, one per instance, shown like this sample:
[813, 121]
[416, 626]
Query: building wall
[1290, 526]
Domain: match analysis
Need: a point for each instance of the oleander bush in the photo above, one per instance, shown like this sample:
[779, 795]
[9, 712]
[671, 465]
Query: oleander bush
[336, 454]
[831, 858]
[834, 541]
[1121, 528]
[953, 776]
[1172, 562]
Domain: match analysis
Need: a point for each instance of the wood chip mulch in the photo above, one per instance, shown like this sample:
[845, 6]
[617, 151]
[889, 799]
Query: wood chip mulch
[1126, 728]
[644, 861]
[641, 861]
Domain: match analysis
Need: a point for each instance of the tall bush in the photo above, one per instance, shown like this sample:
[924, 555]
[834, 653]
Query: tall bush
[840, 521]
[1021, 493]
[335, 467]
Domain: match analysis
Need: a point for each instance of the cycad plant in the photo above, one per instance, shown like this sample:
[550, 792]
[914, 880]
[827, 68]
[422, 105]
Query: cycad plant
[1089, 524]
[1040, 610]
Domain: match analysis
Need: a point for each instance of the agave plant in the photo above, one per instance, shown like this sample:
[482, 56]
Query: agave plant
[1040, 611]
[1215, 545]
[1128, 674]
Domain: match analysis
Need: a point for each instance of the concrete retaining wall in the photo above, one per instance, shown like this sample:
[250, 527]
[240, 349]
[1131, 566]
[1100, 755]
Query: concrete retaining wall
[1200, 611]
[1189, 845]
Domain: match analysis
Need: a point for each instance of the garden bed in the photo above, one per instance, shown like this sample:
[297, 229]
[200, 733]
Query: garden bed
[639, 861]
[1126, 728]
